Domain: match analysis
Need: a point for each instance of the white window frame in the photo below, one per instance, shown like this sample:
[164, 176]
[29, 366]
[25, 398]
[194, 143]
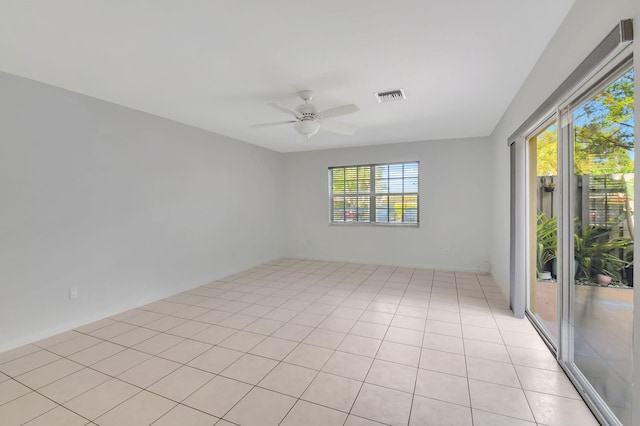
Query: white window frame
[372, 194]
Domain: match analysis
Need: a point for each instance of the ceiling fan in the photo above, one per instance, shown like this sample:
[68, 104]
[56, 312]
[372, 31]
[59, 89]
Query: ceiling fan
[308, 120]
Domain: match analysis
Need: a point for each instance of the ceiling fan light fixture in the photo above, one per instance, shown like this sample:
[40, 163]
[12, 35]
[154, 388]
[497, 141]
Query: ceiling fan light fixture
[307, 127]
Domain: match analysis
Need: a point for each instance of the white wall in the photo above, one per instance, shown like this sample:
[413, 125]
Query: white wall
[126, 206]
[586, 25]
[455, 207]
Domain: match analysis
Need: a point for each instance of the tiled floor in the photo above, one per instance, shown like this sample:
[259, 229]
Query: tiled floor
[297, 342]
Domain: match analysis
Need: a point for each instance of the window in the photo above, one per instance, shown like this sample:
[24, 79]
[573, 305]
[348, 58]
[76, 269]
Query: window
[374, 193]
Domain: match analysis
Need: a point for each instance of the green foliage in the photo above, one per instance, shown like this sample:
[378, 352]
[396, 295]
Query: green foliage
[547, 241]
[603, 129]
[595, 248]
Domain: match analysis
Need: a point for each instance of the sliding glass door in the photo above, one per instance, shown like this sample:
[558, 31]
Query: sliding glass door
[543, 277]
[580, 220]
[603, 214]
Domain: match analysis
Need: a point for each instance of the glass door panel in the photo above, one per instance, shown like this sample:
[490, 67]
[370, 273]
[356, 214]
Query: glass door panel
[602, 191]
[543, 231]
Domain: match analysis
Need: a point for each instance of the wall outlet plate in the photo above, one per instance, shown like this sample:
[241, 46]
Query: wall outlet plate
[73, 293]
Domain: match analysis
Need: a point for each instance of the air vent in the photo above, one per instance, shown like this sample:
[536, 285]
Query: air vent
[391, 95]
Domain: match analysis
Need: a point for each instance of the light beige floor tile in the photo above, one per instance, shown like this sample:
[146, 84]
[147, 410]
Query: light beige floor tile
[411, 323]
[280, 314]
[392, 375]
[73, 385]
[261, 407]
[214, 334]
[439, 342]
[190, 312]
[375, 317]
[97, 401]
[188, 329]
[533, 358]
[359, 421]
[446, 316]
[522, 340]
[478, 320]
[308, 414]
[164, 324]
[399, 353]
[443, 327]
[546, 381]
[368, 329]
[142, 409]
[96, 353]
[444, 362]
[404, 336]
[324, 338]
[348, 365]
[120, 362]
[288, 379]
[256, 310]
[135, 336]
[10, 390]
[113, 330]
[481, 333]
[185, 351]
[332, 391]
[218, 395]
[309, 356]
[249, 368]
[242, 341]
[215, 359]
[181, 383]
[49, 373]
[360, 345]
[499, 399]
[274, 348]
[149, 371]
[25, 408]
[383, 405]
[492, 371]
[28, 362]
[87, 328]
[443, 387]
[158, 343]
[483, 418]
[555, 410]
[426, 412]
[308, 319]
[237, 321]
[59, 416]
[185, 416]
[293, 332]
[264, 326]
[74, 345]
[486, 350]
[342, 325]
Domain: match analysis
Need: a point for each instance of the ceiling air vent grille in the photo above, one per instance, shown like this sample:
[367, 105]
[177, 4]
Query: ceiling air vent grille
[391, 95]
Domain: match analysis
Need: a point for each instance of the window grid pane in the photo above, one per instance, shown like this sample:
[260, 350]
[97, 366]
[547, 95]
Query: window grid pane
[382, 193]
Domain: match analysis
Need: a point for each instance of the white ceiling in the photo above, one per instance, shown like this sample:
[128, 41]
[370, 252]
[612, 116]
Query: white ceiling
[216, 64]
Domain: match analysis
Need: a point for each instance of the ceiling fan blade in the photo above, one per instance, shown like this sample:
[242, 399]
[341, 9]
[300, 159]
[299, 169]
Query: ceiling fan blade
[285, 109]
[337, 111]
[339, 128]
[274, 124]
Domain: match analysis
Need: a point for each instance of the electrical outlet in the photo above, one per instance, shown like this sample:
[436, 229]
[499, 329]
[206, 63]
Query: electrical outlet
[73, 293]
[447, 250]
